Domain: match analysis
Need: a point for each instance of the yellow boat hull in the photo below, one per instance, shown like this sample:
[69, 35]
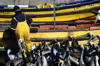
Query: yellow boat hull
[62, 14]
[9, 41]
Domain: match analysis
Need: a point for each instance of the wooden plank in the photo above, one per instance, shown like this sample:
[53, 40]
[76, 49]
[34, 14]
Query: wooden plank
[51, 23]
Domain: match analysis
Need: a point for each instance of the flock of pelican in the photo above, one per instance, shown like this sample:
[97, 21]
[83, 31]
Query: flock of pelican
[58, 53]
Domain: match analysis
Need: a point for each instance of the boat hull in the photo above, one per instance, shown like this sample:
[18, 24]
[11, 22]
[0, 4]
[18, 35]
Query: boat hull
[8, 40]
[65, 13]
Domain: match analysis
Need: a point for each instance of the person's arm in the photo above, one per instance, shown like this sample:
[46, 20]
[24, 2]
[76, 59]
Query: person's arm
[95, 20]
[13, 24]
[29, 20]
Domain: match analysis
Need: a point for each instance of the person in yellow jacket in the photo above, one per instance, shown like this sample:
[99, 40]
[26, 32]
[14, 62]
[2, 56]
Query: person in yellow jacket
[20, 24]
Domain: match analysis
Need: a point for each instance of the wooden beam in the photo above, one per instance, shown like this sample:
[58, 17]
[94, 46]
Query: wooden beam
[51, 23]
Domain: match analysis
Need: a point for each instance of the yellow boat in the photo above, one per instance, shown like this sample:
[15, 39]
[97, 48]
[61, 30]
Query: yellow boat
[7, 38]
[44, 33]
[67, 12]
[63, 14]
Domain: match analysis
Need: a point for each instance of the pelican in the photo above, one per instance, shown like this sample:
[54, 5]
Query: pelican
[81, 62]
[10, 54]
[89, 60]
[41, 60]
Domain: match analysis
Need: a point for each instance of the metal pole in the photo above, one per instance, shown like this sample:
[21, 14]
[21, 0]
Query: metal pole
[29, 2]
[54, 13]
[14, 2]
[23, 2]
